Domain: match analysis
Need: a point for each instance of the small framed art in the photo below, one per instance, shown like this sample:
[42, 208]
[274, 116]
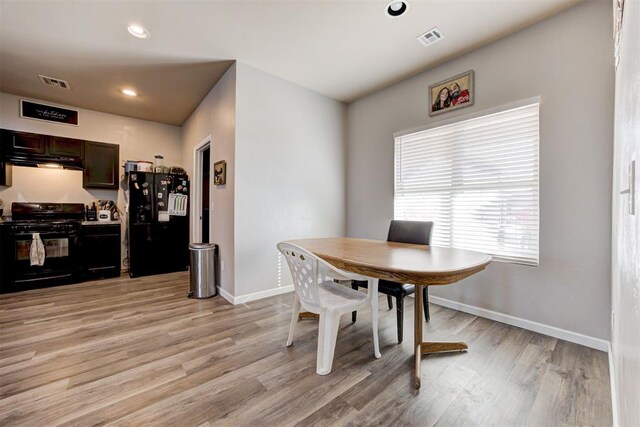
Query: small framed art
[220, 172]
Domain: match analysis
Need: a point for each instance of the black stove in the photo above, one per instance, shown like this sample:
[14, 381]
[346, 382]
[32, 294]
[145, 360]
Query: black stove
[42, 225]
[22, 211]
[58, 226]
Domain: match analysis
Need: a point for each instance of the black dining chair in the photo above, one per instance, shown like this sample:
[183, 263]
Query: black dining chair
[416, 232]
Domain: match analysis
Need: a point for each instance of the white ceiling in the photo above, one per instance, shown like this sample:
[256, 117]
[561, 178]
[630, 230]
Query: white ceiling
[342, 49]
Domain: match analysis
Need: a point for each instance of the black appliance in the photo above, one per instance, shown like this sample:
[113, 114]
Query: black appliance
[158, 241]
[58, 225]
[35, 160]
[101, 249]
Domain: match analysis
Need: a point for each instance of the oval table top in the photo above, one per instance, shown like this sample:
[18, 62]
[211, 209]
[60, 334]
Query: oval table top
[398, 262]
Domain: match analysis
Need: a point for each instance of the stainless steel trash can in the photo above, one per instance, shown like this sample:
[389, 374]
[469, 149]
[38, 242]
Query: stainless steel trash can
[203, 270]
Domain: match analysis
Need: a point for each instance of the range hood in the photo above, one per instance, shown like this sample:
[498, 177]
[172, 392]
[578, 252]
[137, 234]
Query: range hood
[43, 160]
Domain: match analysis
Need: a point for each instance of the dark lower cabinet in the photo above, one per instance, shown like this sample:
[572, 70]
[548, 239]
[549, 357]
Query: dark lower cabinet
[101, 250]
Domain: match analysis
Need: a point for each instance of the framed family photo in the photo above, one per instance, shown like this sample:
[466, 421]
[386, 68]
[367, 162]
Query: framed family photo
[451, 94]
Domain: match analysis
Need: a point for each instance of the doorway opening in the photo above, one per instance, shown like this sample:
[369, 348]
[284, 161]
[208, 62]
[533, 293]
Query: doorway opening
[201, 213]
[206, 176]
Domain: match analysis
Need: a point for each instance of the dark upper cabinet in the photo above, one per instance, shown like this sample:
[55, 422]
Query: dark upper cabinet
[65, 147]
[5, 168]
[32, 147]
[5, 174]
[101, 162]
[23, 142]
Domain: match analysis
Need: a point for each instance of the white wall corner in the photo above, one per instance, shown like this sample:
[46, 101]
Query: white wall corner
[614, 395]
[552, 331]
[226, 295]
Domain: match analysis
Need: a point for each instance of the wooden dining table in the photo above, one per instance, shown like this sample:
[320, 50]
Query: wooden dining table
[419, 265]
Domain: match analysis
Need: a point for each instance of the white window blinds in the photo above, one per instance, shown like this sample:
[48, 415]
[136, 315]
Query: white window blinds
[477, 180]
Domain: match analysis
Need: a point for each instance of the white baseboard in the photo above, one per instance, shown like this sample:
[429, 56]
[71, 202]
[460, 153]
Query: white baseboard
[614, 395]
[226, 295]
[552, 331]
[241, 299]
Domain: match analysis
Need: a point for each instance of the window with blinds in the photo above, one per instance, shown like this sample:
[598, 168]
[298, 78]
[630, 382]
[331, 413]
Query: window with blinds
[477, 180]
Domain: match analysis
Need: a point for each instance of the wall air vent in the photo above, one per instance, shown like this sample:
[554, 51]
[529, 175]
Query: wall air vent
[430, 37]
[50, 81]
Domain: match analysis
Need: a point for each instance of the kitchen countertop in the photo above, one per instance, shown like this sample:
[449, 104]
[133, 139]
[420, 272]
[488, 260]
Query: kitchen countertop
[117, 221]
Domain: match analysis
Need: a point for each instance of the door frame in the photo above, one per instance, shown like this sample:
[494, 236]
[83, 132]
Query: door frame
[196, 186]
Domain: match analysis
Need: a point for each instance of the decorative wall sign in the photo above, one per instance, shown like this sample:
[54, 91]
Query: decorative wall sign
[220, 172]
[49, 113]
[451, 94]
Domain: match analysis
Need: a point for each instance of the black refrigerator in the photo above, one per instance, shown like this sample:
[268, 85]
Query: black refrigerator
[158, 223]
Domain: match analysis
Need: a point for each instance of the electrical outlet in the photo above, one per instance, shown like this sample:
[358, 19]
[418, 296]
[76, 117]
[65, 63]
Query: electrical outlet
[222, 265]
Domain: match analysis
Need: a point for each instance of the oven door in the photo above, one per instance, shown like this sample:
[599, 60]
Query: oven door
[61, 263]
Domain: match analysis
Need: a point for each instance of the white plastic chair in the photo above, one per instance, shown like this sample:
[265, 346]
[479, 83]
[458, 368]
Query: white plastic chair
[317, 293]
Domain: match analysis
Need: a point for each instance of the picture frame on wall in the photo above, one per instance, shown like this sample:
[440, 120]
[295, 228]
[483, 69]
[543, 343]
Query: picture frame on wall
[451, 94]
[220, 172]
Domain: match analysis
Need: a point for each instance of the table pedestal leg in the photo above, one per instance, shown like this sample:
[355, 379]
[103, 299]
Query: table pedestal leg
[417, 330]
[306, 315]
[442, 347]
[422, 347]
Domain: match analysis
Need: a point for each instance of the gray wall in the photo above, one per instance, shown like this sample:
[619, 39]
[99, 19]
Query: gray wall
[290, 174]
[215, 117]
[567, 60]
[625, 337]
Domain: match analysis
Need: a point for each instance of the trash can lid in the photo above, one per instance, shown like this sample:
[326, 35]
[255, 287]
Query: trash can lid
[202, 245]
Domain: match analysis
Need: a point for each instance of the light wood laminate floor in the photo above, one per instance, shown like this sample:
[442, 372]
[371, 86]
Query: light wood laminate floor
[138, 352]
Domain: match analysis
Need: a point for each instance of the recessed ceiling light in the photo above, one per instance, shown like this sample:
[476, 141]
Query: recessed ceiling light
[129, 92]
[138, 31]
[396, 8]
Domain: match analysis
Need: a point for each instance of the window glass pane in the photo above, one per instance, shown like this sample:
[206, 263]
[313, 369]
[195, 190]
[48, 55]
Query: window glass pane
[477, 180]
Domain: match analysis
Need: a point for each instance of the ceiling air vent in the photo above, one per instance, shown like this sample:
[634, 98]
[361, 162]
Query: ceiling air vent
[50, 81]
[430, 37]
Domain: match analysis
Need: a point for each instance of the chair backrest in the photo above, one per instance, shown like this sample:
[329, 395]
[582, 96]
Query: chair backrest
[416, 232]
[304, 270]
[308, 271]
